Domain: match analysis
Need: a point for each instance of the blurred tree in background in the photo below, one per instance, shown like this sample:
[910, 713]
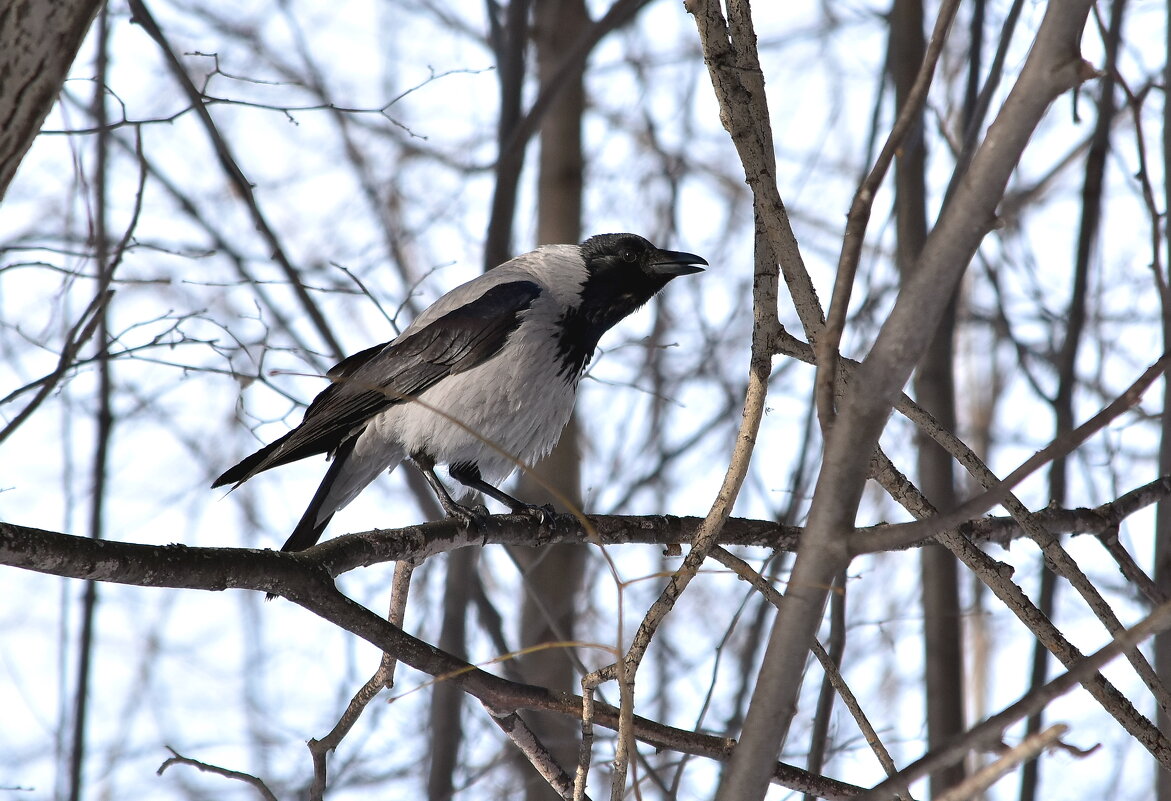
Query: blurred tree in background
[222, 200]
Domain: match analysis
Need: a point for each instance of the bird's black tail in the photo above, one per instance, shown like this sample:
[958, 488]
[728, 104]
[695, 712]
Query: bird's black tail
[310, 528]
[271, 455]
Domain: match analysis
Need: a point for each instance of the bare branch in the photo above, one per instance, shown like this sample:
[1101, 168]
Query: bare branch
[1063, 444]
[236, 175]
[988, 733]
[1029, 748]
[859, 217]
[65, 555]
[536, 753]
[247, 778]
[383, 678]
[78, 335]
[301, 579]
[832, 672]
[1052, 67]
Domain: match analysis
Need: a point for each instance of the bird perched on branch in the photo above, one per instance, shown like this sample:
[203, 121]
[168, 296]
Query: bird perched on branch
[484, 378]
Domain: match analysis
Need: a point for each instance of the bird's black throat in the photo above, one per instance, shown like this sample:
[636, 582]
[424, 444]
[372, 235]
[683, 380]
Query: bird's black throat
[608, 297]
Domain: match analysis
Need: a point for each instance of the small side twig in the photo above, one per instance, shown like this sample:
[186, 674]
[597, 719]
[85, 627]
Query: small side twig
[81, 332]
[400, 587]
[383, 678]
[1029, 748]
[247, 778]
[828, 665]
[1134, 574]
[537, 754]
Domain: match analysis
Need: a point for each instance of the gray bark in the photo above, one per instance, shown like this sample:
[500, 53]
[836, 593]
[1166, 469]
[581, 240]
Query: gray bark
[38, 42]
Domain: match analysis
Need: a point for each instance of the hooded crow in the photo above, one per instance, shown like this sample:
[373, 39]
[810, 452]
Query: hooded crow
[484, 377]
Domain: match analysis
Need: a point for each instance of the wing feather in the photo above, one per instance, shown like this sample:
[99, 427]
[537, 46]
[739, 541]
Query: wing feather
[377, 378]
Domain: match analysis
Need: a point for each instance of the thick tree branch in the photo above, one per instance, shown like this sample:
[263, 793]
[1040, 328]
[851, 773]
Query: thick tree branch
[181, 566]
[305, 579]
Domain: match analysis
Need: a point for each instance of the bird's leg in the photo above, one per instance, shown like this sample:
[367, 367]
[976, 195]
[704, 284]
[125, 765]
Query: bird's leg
[470, 517]
[469, 475]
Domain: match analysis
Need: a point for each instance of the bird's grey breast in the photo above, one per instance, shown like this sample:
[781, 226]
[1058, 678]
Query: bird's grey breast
[514, 404]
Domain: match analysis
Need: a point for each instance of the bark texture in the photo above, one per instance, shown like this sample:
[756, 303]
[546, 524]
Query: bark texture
[38, 42]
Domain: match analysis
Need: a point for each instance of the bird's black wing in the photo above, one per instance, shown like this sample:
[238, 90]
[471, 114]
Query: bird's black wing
[379, 377]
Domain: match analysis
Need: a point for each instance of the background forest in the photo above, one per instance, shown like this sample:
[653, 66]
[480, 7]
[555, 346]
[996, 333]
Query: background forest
[206, 205]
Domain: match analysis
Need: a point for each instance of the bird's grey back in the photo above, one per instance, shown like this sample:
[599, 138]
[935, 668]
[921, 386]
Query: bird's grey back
[557, 269]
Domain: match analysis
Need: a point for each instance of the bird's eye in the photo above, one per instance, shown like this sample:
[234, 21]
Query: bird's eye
[628, 255]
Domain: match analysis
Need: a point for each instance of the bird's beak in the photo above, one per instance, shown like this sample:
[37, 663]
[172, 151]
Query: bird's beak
[673, 262]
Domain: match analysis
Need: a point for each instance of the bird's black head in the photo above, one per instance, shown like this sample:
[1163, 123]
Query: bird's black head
[624, 271]
[629, 256]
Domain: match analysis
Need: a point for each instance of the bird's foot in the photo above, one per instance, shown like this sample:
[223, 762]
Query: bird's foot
[471, 516]
[543, 514]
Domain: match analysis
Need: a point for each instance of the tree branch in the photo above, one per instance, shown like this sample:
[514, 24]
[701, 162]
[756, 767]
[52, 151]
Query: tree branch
[184, 567]
[305, 579]
[989, 731]
[1052, 67]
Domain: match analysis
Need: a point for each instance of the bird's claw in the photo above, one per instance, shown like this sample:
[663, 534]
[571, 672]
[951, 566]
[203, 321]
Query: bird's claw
[543, 514]
[471, 516]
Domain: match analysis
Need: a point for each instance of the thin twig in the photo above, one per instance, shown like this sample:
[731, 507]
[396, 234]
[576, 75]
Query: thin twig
[78, 335]
[1029, 748]
[247, 778]
[988, 732]
[828, 665]
[235, 174]
[383, 678]
[400, 587]
[537, 754]
[1135, 575]
[859, 217]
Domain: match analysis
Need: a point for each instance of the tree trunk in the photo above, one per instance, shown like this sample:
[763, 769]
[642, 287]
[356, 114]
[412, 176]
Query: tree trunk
[1162, 557]
[935, 390]
[38, 42]
[553, 573]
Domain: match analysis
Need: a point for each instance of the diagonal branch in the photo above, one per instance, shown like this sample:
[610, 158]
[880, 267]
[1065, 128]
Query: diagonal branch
[859, 217]
[989, 731]
[1053, 66]
[231, 167]
[908, 533]
[998, 578]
